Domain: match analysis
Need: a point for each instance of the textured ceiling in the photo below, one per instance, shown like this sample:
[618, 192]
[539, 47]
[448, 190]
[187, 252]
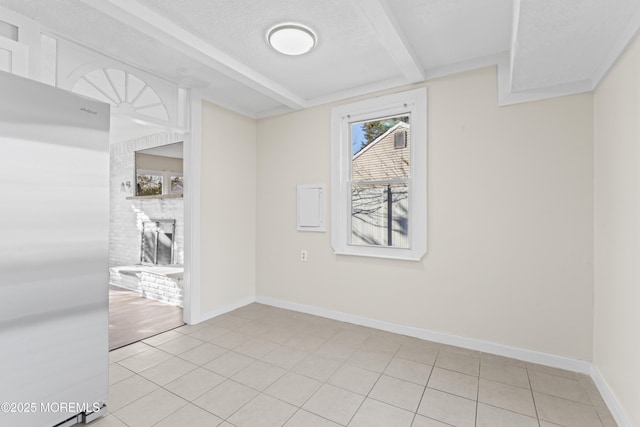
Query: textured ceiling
[565, 42]
[348, 53]
[447, 32]
[218, 47]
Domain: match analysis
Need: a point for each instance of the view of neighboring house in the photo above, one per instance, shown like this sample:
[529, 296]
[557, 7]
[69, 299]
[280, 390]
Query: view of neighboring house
[380, 197]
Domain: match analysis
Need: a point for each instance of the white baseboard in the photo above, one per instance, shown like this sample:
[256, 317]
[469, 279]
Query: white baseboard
[225, 309]
[609, 398]
[575, 365]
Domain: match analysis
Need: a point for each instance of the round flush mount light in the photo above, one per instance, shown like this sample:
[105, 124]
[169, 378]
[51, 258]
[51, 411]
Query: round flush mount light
[291, 39]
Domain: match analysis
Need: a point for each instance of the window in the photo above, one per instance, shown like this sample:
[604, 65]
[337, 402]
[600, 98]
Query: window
[148, 184]
[158, 183]
[379, 161]
[159, 170]
[177, 184]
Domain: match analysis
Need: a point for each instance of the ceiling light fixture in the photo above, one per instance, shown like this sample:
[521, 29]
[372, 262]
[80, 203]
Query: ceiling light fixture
[291, 39]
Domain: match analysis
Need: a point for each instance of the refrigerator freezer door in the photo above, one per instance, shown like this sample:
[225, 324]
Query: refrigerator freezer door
[54, 219]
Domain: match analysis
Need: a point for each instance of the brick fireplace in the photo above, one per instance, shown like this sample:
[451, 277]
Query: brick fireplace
[146, 237]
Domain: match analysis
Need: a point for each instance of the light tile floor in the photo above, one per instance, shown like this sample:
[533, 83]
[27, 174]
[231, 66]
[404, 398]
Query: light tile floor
[261, 366]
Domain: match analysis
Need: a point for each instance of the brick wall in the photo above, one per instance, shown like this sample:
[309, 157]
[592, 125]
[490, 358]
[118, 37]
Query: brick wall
[151, 282]
[161, 288]
[127, 215]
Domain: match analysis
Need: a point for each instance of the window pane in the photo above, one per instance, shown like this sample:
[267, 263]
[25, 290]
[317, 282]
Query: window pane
[380, 215]
[149, 185]
[380, 149]
[177, 185]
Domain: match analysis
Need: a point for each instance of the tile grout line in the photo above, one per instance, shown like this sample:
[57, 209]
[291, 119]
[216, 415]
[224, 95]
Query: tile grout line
[380, 374]
[426, 385]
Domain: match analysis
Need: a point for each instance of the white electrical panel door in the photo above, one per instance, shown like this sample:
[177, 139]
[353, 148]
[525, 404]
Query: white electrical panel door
[311, 215]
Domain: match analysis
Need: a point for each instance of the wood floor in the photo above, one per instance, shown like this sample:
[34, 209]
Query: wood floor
[133, 318]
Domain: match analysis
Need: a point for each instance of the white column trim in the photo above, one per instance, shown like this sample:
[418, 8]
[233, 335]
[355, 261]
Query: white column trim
[192, 262]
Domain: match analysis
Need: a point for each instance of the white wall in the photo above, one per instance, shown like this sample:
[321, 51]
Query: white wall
[228, 209]
[510, 245]
[617, 232]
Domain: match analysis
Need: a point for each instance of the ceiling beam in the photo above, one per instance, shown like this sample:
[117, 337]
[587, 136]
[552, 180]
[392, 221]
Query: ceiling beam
[383, 20]
[143, 19]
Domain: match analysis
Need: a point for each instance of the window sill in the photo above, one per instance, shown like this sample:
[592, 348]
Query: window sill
[397, 257]
[159, 196]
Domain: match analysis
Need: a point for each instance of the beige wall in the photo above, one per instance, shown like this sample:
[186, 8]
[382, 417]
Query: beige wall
[510, 245]
[617, 231]
[228, 208]
[158, 163]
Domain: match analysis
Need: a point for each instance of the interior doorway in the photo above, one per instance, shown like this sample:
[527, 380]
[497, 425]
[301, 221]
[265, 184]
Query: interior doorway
[149, 124]
[146, 238]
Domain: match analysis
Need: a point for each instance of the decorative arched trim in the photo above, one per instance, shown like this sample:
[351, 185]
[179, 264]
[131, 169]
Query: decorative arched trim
[127, 93]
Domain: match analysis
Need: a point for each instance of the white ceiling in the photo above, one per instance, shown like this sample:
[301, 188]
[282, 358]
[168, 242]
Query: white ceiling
[218, 47]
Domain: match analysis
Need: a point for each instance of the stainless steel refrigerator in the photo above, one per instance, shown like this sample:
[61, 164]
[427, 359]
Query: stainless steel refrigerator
[54, 219]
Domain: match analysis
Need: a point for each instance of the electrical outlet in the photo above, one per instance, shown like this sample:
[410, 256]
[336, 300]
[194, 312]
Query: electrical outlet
[303, 255]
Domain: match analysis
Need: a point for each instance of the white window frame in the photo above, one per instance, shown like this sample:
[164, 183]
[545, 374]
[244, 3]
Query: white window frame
[414, 104]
